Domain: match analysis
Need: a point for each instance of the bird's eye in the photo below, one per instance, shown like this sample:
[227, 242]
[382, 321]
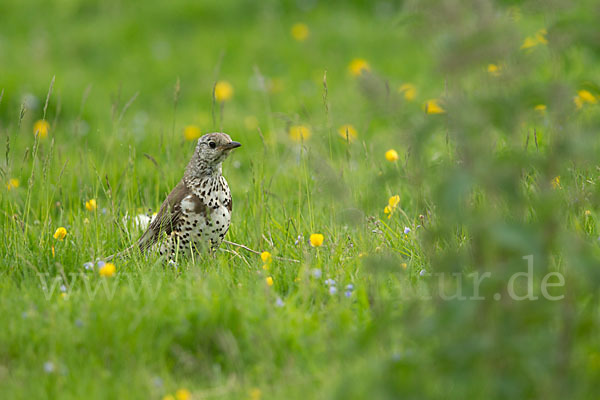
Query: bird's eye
[212, 145]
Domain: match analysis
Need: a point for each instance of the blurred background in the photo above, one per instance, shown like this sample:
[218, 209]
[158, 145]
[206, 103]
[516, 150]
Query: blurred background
[422, 138]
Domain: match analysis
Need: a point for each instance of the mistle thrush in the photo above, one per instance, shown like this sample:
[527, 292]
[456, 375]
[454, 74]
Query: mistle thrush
[197, 212]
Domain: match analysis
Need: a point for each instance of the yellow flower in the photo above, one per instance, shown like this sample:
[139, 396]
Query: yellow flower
[183, 394]
[432, 107]
[586, 97]
[403, 265]
[13, 183]
[409, 90]
[556, 182]
[269, 281]
[168, 397]
[266, 257]
[60, 233]
[494, 69]
[191, 132]
[532, 41]
[316, 240]
[393, 201]
[541, 108]
[388, 211]
[251, 122]
[107, 270]
[578, 102]
[265, 267]
[86, 221]
[588, 212]
[300, 133]
[361, 255]
[358, 66]
[255, 394]
[90, 205]
[223, 91]
[41, 128]
[300, 31]
[347, 131]
[391, 155]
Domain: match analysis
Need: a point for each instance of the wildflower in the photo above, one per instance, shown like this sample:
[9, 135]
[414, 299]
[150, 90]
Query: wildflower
[88, 265]
[13, 183]
[494, 69]
[586, 97]
[391, 206]
[191, 132]
[223, 91]
[300, 31]
[279, 302]
[90, 205]
[316, 240]
[251, 122]
[556, 182]
[361, 255]
[532, 41]
[406, 230]
[100, 264]
[183, 394]
[60, 233]
[63, 288]
[349, 286]
[269, 280]
[41, 128]
[348, 293]
[299, 239]
[423, 272]
[330, 282]
[432, 107]
[541, 108]
[317, 273]
[255, 394]
[266, 257]
[332, 290]
[588, 212]
[53, 252]
[358, 66]
[348, 132]
[391, 155]
[64, 296]
[300, 133]
[49, 367]
[578, 102]
[168, 397]
[86, 221]
[404, 265]
[409, 90]
[107, 270]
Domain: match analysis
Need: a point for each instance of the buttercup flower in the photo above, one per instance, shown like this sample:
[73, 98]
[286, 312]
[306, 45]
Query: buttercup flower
[432, 107]
[90, 205]
[494, 69]
[191, 132]
[13, 183]
[316, 240]
[586, 97]
[60, 233]
[391, 155]
[358, 66]
[223, 91]
[556, 182]
[532, 41]
[300, 133]
[391, 206]
[183, 394]
[269, 280]
[41, 128]
[541, 108]
[409, 90]
[266, 257]
[300, 31]
[347, 131]
[107, 270]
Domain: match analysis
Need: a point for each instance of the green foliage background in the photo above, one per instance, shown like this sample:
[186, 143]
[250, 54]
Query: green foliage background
[481, 186]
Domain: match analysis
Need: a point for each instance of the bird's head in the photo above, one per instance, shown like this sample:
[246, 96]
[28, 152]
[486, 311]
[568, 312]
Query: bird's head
[211, 150]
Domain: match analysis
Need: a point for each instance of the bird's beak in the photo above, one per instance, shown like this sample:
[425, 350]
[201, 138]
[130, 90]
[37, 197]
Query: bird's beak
[231, 145]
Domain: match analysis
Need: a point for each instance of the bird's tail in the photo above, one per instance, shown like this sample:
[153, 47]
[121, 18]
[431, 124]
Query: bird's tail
[120, 254]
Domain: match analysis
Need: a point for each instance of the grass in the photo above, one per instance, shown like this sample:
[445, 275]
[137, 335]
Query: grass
[477, 185]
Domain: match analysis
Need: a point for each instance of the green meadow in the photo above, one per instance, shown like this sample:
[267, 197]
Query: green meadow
[415, 201]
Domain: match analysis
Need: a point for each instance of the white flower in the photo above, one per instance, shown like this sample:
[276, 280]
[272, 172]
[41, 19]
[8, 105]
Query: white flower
[49, 367]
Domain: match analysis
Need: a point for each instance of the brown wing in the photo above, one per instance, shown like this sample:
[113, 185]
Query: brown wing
[167, 219]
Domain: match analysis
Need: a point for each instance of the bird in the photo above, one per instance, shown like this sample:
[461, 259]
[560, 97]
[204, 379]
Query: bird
[196, 214]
